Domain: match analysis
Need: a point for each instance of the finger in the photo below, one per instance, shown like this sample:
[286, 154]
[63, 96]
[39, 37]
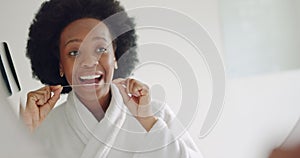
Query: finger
[32, 99]
[140, 88]
[43, 91]
[45, 109]
[123, 92]
[136, 88]
[128, 85]
[54, 88]
[132, 86]
[43, 97]
[56, 96]
[46, 91]
[121, 85]
[144, 91]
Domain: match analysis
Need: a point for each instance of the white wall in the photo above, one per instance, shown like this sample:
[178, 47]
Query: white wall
[205, 12]
[259, 113]
[15, 18]
[260, 36]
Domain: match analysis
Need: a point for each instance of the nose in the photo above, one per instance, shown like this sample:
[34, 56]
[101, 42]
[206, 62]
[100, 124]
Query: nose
[89, 61]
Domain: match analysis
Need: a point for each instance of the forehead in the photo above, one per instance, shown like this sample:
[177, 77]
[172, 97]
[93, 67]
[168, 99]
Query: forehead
[82, 28]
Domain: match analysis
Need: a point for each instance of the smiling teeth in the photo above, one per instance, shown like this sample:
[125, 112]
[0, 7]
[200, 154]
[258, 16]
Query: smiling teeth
[90, 77]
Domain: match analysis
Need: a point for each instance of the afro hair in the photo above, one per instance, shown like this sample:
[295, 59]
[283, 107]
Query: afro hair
[55, 15]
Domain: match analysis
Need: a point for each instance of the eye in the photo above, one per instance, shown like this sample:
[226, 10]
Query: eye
[101, 50]
[74, 53]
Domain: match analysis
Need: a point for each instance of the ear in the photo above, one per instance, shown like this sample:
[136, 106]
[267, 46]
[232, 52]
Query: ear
[60, 67]
[116, 63]
[61, 70]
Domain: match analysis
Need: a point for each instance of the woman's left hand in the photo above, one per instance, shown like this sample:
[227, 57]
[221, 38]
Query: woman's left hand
[136, 97]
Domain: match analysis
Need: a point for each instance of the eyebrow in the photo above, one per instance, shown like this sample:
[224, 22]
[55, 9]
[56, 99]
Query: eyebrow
[79, 40]
[99, 38]
[73, 40]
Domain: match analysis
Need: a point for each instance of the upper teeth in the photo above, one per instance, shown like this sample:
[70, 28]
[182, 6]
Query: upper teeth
[90, 77]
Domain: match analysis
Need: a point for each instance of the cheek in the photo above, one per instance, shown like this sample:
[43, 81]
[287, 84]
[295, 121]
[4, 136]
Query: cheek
[109, 70]
[111, 62]
[68, 70]
[109, 65]
[107, 60]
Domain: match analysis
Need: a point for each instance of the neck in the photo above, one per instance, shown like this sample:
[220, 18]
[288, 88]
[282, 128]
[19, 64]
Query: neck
[97, 107]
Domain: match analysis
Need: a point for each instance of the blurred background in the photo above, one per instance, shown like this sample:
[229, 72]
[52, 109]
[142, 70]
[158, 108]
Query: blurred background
[260, 36]
[259, 43]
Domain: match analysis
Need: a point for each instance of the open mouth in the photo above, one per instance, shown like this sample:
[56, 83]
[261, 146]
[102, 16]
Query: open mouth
[90, 79]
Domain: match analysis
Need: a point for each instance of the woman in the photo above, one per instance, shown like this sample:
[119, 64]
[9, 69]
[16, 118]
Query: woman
[74, 50]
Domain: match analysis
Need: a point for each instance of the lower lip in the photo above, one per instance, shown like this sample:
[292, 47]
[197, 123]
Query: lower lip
[91, 86]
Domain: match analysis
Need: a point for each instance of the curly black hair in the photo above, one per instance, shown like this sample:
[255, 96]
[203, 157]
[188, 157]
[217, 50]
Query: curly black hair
[55, 15]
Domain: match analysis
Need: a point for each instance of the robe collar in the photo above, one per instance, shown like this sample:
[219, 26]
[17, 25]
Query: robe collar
[86, 125]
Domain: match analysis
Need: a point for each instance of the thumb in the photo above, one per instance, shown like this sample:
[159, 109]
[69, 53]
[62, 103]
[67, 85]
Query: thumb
[120, 83]
[56, 90]
[45, 109]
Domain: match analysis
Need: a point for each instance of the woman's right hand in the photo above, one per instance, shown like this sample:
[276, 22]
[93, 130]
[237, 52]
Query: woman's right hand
[286, 153]
[39, 104]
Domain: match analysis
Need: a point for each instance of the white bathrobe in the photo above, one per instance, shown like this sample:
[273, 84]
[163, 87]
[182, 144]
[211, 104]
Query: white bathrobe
[71, 131]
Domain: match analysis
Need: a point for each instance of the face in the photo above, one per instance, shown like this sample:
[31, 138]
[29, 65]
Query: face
[87, 57]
